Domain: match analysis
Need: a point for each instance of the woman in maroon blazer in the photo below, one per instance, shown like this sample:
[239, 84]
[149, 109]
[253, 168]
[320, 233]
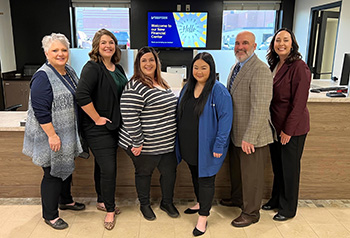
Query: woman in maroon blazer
[290, 117]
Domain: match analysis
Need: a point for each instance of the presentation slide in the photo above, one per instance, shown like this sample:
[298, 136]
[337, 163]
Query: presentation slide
[177, 29]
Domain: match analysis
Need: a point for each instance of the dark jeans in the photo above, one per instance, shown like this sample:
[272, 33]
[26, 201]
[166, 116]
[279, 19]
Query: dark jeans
[54, 191]
[103, 144]
[204, 188]
[286, 168]
[144, 167]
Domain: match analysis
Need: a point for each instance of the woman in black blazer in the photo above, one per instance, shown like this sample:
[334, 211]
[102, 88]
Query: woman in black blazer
[101, 83]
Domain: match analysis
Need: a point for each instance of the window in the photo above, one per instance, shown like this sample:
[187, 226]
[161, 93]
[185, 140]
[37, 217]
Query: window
[91, 19]
[259, 17]
[260, 22]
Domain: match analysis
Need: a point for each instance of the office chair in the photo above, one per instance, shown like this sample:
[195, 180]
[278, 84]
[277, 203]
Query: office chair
[13, 107]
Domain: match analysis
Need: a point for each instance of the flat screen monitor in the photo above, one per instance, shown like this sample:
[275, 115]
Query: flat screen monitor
[177, 29]
[345, 73]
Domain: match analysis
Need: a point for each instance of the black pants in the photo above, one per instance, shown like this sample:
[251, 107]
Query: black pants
[204, 188]
[286, 168]
[144, 167]
[54, 191]
[103, 144]
[235, 176]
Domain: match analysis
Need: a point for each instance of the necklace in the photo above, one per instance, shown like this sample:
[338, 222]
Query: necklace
[72, 85]
[110, 66]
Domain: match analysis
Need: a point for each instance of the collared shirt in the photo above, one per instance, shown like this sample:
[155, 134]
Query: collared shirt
[236, 71]
[242, 63]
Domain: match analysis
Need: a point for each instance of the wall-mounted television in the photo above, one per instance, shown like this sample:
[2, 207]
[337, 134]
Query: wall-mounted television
[177, 29]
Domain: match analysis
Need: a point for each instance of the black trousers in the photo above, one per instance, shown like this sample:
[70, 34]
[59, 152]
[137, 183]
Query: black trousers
[235, 176]
[103, 144]
[144, 167]
[204, 188]
[286, 168]
[54, 191]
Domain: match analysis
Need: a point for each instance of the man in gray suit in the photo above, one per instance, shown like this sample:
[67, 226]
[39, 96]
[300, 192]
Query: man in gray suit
[250, 85]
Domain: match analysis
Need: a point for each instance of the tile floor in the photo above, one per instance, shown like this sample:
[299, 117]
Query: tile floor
[317, 218]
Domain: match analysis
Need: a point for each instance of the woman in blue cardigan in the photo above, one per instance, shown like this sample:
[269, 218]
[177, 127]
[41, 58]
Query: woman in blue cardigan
[204, 124]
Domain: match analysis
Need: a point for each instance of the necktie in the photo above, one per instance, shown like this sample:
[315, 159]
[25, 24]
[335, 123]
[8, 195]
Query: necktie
[233, 76]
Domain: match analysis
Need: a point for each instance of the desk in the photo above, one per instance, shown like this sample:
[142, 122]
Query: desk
[325, 172]
[19, 177]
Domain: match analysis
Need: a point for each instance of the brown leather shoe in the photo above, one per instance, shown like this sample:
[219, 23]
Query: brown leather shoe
[229, 203]
[243, 221]
[110, 225]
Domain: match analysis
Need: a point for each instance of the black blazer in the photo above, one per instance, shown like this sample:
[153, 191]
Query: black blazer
[96, 85]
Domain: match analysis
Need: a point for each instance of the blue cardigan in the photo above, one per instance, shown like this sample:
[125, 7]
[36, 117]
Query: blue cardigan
[213, 130]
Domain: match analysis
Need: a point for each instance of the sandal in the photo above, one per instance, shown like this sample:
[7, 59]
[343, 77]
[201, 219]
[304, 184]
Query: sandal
[101, 208]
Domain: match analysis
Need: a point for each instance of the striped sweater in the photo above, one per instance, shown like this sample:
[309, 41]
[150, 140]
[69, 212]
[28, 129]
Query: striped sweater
[149, 118]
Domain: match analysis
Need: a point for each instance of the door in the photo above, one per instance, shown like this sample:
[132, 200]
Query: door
[322, 41]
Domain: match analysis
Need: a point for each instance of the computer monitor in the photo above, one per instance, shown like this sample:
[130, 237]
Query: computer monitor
[344, 79]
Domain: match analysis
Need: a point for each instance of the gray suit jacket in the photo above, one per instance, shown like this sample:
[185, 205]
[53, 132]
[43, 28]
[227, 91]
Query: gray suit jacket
[251, 96]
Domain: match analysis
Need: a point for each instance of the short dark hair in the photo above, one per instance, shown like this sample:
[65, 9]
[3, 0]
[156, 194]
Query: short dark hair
[95, 54]
[272, 56]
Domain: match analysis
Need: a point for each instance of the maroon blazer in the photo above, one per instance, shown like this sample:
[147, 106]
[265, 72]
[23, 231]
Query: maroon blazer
[288, 108]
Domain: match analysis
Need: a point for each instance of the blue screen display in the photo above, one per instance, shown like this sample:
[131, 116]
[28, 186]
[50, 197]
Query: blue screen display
[177, 29]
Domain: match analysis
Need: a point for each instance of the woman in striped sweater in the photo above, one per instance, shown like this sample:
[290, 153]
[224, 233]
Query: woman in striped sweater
[148, 109]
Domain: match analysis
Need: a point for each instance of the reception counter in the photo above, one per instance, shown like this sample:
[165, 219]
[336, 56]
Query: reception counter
[325, 172]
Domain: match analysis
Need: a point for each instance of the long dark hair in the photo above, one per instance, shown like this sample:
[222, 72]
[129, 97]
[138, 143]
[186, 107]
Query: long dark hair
[95, 53]
[272, 56]
[200, 103]
[140, 76]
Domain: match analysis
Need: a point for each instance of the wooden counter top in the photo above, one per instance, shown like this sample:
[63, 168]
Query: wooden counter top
[10, 121]
[321, 97]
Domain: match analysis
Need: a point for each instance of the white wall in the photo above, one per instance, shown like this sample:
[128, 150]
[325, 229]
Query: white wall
[79, 57]
[7, 50]
[301, 29]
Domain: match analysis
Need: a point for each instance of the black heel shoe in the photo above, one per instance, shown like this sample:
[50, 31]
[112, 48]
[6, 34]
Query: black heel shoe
[268, 207]
[197, 232]
[191, 211]
[279, 217]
